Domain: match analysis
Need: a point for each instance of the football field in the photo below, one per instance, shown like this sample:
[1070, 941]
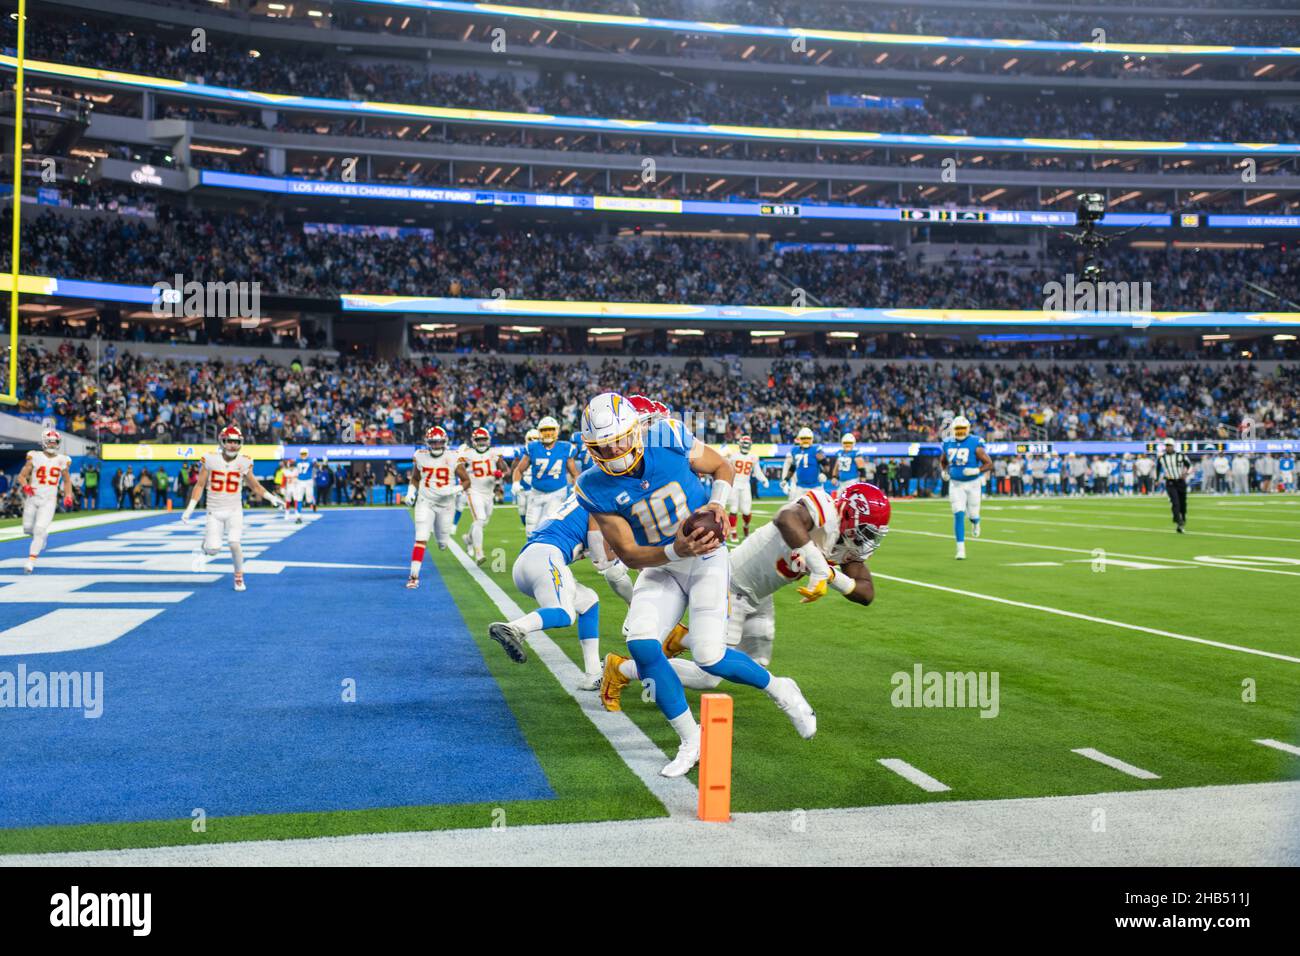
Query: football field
[1083, 649]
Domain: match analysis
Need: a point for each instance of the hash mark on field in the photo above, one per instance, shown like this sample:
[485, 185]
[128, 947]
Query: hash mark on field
[1279, 745]
[912, 775]
[1116, 763]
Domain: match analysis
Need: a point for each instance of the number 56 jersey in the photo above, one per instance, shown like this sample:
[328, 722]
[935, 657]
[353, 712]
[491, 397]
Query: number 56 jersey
[657, 495]
[226, 480]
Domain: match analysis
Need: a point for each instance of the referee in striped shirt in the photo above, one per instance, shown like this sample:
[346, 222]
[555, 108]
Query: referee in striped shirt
[1174, 467]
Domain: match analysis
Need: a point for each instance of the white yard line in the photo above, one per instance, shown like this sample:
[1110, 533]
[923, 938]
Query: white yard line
[1242, 825]
[89, 521]
[1119, 527]
[1090, 619]
[1116, 763]
[912, 775]
[678, 795]
[1291, 749]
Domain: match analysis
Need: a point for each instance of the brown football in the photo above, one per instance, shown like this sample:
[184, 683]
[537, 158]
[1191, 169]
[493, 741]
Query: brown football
[703, 519]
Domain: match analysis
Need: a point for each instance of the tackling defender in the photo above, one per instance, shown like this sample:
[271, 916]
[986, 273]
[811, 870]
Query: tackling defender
[223, 474]
[432, 497]
[964, 465]
[802, 471]
[542, 572]
[551, 464]
[641, 492]
[745, 463]
[827, 538]
[42, 475]
[478, 468]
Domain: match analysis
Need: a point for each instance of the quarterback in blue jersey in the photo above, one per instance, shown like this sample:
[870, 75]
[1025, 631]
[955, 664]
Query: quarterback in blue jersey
[542, 572]
[549, 464]
[964, 465]
[641, 491]
[802, 471]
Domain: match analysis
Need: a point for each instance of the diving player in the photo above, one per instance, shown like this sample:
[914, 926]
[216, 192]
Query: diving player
[846, 462]
[542, 572]
[642, 490]
[802, 471]
[964, 465]
[550, 464]
[40, 479]
[746, 465]
[827, 539]
[432, 494]
[478, 468]
[223, 474]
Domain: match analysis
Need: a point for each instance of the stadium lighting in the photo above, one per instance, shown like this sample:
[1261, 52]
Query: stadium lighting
[686, 331]
[607, 331]
[1284, 337]
[766, 333]
[841, 335]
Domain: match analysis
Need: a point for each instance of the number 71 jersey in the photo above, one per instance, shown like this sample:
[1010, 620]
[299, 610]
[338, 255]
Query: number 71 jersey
[658, 496]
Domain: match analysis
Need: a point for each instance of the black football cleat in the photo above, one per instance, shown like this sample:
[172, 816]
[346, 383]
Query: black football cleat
[510, 639]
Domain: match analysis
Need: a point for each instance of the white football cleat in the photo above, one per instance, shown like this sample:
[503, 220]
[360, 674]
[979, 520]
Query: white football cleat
[961, 551]
[29, 567]
[591, 681]
[239, 583]
[975, 529]
[688, 755]
[464, 539]
[790, 699]
[412, 583]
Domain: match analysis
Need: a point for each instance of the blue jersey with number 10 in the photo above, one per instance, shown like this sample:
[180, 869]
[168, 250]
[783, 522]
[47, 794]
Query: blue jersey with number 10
[656, 496]
[963, 463]
[548, 466]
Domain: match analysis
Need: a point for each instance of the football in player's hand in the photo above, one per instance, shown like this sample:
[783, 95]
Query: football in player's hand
[705, 519]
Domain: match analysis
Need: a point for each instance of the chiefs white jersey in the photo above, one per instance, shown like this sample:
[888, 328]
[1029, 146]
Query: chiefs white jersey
[746, 465]
[226, 480]
[481, 466]
[434, 477]
[47, 472]
[291, 470]
[764, 563]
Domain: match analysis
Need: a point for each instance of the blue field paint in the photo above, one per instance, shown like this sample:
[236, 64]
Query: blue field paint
[232, 702]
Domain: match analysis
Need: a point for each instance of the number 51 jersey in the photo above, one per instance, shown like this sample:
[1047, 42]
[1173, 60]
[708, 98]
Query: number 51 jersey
[655, 497]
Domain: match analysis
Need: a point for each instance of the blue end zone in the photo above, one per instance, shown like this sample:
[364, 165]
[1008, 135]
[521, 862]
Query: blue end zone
[233, 702]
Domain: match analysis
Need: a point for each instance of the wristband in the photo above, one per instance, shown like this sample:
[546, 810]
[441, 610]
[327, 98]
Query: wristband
[720, 493]
[842, 582]
[670, 553]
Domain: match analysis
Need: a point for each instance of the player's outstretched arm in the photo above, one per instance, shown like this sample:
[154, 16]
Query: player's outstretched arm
[200, 482]
[864, 588]
[256, 485]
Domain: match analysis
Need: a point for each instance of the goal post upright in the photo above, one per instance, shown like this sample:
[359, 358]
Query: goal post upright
[10, 396]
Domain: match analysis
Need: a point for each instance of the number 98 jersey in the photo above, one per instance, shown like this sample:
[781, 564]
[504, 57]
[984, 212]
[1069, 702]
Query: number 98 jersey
[655, 497]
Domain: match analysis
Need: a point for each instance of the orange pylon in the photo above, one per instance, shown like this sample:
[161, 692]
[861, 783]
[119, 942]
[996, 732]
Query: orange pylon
[715, 758]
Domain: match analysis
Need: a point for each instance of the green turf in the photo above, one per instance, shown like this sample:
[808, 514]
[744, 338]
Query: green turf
[59, 516]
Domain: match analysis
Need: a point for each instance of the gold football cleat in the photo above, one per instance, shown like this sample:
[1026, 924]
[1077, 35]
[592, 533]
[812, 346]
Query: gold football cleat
[612, 683]
[674, 643]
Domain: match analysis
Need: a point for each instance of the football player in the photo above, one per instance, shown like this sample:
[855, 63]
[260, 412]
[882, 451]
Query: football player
[746, 465]
[964, 464]
[846, 462]
[432, 496]
[827, 539]
[43, 474]
[302, 486]
[640, 493]
[542, 572]
[802, 471]
[223, 475]
[478, 467]
[519, 490]
[550, 464]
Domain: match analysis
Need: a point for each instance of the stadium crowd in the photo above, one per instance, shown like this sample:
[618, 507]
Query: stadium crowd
[129, 397]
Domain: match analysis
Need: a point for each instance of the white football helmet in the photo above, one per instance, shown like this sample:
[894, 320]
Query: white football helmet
[848, 441]
[805, 438]
[548, 430]
[50, 440]
[960, 427]
[611, 430]
[532, 435]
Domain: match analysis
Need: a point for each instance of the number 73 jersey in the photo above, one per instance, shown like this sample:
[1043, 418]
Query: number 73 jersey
[656, 497]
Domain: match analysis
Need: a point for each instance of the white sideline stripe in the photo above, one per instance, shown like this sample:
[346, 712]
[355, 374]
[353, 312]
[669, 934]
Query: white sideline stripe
[1092, 620]
[639, 752]
[1291, 749]
[73, 524]
[1141, 530]
[1116, 763]
[912, 775]
[1111, 554]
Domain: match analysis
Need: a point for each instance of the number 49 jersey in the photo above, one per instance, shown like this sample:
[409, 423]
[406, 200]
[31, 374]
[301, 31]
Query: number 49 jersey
[434, 478]
[658, 495]
[226, 480]
[764, 563]
[47, 472]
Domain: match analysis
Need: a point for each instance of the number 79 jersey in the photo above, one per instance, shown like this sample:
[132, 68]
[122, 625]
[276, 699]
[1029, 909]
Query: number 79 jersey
[433, 477]
[963, 463]
[656, 497]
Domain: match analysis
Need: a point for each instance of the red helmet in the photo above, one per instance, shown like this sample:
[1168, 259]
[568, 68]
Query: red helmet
[646, 408]
[435, 439]
[231, 440]
[50, 440]
[480, 440]
[745, 443]
[864, 518]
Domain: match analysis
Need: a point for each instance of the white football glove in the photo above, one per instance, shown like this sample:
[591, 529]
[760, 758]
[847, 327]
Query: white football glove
[516, 489]
[784, 486]
[410, 495]
[188, 516]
